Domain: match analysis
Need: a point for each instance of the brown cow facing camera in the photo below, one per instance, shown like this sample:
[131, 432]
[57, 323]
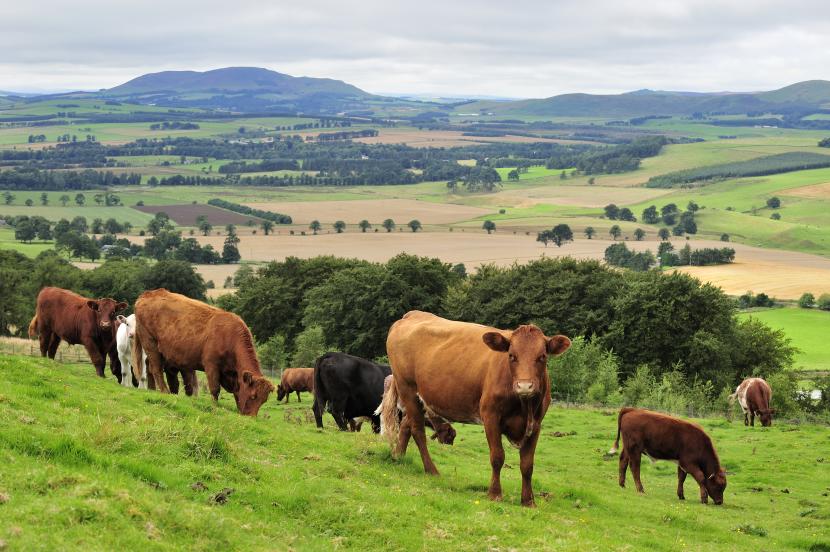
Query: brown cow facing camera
[663, 437]
[474, 374]
[754, 395]
[64, 315]
[179, 334]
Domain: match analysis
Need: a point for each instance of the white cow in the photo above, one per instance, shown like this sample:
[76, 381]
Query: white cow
[124, 343]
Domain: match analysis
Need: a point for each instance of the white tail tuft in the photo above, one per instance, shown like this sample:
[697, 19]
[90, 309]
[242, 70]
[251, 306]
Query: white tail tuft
[613, 450]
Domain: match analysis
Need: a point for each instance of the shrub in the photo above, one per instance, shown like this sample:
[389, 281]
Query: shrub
[271, 353]
[585, 371]
[309, 345]
[807, 301]
[785, 394]
[824, 301]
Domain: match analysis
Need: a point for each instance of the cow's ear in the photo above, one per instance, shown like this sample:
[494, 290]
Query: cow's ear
[247, 377]
[121, 318]
[92, 304]
[558, 344]
[496, 341]
[121, 306]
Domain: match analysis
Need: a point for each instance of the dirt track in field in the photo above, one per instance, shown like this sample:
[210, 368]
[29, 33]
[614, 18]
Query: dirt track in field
[373, 210]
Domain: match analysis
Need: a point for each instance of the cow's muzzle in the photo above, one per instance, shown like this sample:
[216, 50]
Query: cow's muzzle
[525, 388]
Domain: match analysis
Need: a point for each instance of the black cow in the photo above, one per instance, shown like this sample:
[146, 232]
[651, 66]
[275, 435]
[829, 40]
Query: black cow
[351, 387]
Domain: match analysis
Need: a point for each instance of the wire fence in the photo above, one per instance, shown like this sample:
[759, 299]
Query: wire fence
[70, 354]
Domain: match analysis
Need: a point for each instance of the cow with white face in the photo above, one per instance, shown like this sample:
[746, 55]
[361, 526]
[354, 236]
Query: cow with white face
[124, 343]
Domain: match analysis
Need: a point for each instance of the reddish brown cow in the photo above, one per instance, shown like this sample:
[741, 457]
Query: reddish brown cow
[64, 315]
[295, 380]
[180, 334]
[663, 437]
[754, 395]
[470, 373]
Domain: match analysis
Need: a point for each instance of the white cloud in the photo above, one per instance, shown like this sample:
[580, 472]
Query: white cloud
[523, 49]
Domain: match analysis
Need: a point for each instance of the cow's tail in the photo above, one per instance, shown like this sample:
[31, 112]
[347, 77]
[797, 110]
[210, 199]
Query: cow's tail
[33, 327]
[733, 397]
[388, 411]
[616, 446]
[137, 360]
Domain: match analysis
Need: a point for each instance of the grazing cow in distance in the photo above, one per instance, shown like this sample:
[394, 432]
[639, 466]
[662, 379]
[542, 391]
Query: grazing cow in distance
[663, 437]
[295, 380]
[124, 345]
[350, 387]
[181, 334]
[63, 315]
[444, 432]
[475, 374]
[754, 395]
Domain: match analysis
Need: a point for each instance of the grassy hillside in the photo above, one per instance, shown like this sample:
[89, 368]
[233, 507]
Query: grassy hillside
[808, 329]
[90, 465]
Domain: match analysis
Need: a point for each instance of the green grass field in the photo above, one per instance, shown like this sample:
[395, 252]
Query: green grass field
[7, 241]
[807, 328]
[89, 465]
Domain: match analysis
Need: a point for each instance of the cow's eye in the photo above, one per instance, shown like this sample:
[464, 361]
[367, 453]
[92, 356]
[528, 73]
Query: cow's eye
[512, 357]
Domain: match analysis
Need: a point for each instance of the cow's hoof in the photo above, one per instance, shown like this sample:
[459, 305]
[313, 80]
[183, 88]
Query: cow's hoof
[681, 497]
[529, 504]
[494, 497]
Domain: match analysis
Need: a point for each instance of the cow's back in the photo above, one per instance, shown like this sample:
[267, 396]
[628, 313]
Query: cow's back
[661, 436]
[298, 379]
[64, 313]
[434, 355]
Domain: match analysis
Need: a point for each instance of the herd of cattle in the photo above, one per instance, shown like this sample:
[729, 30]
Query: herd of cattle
[441, 371]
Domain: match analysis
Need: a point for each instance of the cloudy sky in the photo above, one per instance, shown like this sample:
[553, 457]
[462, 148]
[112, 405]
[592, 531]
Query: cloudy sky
[517, 48]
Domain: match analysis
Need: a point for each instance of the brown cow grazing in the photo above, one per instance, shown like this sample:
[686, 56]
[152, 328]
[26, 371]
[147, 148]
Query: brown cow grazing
[444, 432]
[179, 334]
[295, 380]
[473, 374]
[663, 437]
[64, 315]
[754, 395]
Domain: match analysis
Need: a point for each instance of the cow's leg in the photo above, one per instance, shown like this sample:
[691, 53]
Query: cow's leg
[172, 377]
[338, 410]
[415, 411]
[212, 373]
[144, 383]
[526, 457]
[191, 383]
[54, 343]
[126, 369]
[95, 356]
[746, 418]
[623, 466]
[681, 478]
[492, 430]
[698, 475]
[45, 338]
[634, 461]
[403, 437]
[752, 418]
[156, 369]
[115, 363]
[298, 397]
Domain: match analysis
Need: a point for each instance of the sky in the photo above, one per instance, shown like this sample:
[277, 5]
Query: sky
[516, 48]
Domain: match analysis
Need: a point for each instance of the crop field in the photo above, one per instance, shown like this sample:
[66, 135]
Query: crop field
[186, 215]
[446, 138]
[808, 329]
[90, 465]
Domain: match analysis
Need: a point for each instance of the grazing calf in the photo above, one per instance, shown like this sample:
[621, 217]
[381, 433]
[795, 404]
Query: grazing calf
[351, 387]
[295, 380]
[180, 334]
[124, 345]
[663, 437]
[64, 315]
[391, 413]
[754, 395]
[473, 374]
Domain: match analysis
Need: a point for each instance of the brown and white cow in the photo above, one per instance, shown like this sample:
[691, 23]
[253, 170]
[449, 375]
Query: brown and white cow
[473, 374]
[295, 380]
[754, 395]
[663, 437]
[181, 334]
[64, 315]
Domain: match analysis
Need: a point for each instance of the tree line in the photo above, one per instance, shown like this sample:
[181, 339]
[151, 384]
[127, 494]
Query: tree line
[277, 218]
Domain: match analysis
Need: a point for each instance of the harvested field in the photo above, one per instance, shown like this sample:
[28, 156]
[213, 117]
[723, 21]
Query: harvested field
[185, 215]
[375, 211]
[448, 138]
[815, 191]
[578, 196]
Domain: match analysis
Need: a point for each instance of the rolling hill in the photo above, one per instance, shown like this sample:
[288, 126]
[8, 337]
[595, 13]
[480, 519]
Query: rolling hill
[803, 96]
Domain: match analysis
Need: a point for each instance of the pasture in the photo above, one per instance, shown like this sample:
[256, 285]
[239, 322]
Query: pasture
[808, 329]
[89, 465]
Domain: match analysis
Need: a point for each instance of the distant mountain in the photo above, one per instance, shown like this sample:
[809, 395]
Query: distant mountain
[242, 88]
[800, 96]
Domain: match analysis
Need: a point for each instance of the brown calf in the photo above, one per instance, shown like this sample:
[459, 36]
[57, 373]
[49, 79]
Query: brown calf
[470, 373]
[663, 437]
[180, 334]
[754, 395]
[64, 315]
[295, 380]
